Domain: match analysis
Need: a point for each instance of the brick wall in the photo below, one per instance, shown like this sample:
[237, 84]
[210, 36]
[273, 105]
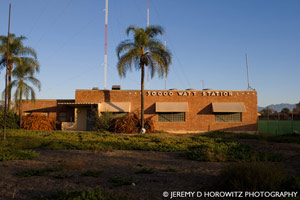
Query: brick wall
[48, 106]
[198, 118]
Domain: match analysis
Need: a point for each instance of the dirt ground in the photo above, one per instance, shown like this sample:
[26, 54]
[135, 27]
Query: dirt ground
[187, 175]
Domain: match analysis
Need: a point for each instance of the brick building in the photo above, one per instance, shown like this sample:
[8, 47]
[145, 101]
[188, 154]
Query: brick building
[171, 110]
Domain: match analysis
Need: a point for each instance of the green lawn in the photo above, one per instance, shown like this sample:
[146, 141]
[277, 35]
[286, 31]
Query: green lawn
[278, 126]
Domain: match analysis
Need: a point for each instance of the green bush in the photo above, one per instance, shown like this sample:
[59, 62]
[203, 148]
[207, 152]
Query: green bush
[102, 122]
[84, 195]
[12, 119]
[216, 150]
[257, 176]
[291, 183]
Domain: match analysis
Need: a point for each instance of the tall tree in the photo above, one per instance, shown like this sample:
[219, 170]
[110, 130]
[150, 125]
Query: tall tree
[17, 52]
[267, 112]
[143, 50]
[285, 111]
[24, 74]
[296, 110]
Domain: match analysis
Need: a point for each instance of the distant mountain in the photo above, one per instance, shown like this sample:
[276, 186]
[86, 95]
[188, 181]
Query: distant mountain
[278, 107]
[259, 108]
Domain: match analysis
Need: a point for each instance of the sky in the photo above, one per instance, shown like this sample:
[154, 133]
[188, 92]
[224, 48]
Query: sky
[208, 40]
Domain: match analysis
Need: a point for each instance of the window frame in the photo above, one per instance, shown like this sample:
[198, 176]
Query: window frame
[172, 116]
[218, 115]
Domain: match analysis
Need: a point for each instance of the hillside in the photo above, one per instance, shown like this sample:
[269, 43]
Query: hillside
[278, 107]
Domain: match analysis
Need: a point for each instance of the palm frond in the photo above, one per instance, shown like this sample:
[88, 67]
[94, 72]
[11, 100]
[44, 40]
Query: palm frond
[27, 51]
[124, 46]
[34, 81]
[131, 29]
[29, 91]
[144, 50]
[153, 31]
[9, 87]
[16, 96]
[125, 61]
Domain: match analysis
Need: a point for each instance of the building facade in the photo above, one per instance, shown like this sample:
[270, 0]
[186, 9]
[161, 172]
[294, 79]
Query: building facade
[178, 111]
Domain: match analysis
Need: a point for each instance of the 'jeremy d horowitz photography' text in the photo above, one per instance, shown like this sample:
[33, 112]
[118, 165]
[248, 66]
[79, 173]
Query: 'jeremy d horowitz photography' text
[235, 194]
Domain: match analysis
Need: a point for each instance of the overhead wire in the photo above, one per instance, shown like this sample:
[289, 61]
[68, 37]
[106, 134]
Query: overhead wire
[174, 54]
[76, 33]
[63, 83]
[54, 21]
[64, 44]
[112, 27]
[38, 18]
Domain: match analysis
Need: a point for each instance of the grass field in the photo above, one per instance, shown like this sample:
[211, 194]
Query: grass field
[21, 144]
[103, 165]
[278, 126]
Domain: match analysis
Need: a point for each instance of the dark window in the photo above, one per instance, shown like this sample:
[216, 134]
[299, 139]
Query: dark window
[62, 117]
[119, 114]
[171, 117]
[228, 117]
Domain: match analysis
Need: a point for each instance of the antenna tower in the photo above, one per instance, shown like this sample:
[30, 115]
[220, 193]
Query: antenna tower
[165, 49]
[105, 44]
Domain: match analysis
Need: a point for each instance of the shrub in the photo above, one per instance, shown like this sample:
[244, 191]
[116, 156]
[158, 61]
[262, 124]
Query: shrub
[12, 119]
[254, 176]
[214, 150]
[130, 124]
[257, 176]
[291, 183]
[102, 122]
[38, 122]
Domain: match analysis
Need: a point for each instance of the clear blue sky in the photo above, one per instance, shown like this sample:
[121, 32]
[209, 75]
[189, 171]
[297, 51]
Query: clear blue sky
[208, 38]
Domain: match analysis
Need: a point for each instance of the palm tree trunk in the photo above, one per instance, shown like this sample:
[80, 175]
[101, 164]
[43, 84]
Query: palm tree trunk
[20, 108]
[142, 94]
[9, 89]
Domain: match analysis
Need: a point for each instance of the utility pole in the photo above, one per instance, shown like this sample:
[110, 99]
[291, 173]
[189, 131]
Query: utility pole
[148, 23]
[7, 53]
[249, 87]
[202, 81]
[105, 44]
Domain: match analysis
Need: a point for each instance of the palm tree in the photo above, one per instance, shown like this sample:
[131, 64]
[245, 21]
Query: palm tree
[143, 50]
[23, 73]
[17, 51]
